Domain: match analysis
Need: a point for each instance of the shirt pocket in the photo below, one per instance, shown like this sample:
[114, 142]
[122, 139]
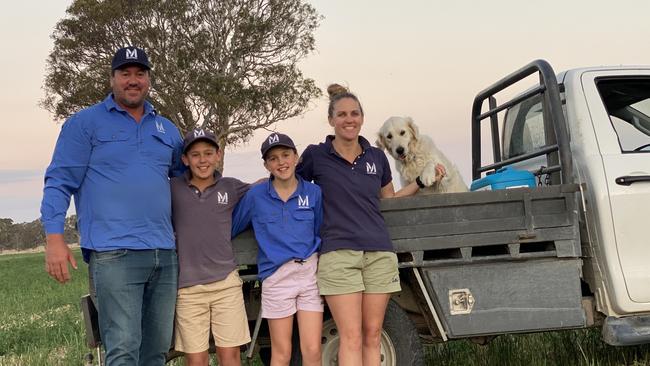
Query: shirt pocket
[303, 227]
[160, 148]
[105, 137]
[269, 219]
[111, 148]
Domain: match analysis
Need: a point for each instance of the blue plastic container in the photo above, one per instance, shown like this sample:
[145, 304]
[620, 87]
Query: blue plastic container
[505, 178]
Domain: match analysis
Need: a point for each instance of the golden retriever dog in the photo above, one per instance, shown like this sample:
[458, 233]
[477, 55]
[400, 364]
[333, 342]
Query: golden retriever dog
[416, 155]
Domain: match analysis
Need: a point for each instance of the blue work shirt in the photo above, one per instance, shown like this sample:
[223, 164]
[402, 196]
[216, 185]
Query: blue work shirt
[284, 230]
[351, 195]
[118, 172]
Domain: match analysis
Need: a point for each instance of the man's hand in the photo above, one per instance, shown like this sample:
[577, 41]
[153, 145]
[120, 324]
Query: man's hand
[57, 256]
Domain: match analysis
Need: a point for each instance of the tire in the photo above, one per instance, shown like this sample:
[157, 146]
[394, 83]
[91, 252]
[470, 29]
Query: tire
[400, 343]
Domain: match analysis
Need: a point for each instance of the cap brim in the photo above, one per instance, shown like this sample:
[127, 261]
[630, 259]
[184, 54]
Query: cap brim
[206, 139]
[131, 63]
[278, 145]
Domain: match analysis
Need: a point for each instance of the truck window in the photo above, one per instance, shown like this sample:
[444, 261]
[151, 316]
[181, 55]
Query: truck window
[523, 129]
[628, 104]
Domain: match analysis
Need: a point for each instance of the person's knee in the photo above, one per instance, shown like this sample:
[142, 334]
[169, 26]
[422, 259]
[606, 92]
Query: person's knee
[281, 354]
[311, 352]
[229, 357]
[196, 359]
[351, 340]
[371, 336]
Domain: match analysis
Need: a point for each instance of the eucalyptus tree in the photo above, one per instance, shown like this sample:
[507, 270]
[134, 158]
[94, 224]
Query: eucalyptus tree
[227, 65]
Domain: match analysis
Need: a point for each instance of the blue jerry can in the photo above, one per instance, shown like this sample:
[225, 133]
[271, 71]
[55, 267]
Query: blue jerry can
[505, 178]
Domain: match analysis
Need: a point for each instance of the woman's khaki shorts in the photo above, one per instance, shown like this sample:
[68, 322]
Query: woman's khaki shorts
[347, 271]
[216, 306]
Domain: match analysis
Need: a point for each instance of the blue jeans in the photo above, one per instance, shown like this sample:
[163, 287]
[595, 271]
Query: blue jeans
[136, 297]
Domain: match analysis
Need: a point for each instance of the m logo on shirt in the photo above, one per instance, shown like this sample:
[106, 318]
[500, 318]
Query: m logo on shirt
[222, 198]
[199, 133]
[274, 139]
[160, 127]
[131, 54]
[303, 202]
[371, 168]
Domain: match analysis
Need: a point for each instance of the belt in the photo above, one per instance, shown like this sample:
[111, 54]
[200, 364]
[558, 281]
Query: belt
[300, 261]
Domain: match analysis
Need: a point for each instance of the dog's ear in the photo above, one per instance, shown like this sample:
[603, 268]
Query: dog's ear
[413, 128]
[380, 142]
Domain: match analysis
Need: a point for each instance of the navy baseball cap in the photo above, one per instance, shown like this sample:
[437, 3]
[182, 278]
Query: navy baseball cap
[276, 139]
[130, 56]
[199, 134]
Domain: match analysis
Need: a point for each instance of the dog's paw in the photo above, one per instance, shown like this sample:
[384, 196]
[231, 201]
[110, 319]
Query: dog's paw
[429, 176]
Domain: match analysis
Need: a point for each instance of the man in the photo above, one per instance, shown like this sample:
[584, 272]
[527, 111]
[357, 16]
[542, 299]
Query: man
[116, 158]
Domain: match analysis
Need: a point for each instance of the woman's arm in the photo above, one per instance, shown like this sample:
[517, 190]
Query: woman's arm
[388, 191]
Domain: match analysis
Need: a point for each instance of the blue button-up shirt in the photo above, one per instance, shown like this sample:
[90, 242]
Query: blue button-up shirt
[284, 230]
[118, 172]
[351, 194]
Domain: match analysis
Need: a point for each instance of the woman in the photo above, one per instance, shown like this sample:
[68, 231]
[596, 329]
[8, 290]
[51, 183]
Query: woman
[357, 269]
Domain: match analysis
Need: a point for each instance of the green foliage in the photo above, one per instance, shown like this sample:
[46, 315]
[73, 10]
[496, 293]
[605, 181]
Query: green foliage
[29, 235]
[228, 65]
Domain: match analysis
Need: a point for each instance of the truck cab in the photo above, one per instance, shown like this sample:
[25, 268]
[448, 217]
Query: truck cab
[607, 115]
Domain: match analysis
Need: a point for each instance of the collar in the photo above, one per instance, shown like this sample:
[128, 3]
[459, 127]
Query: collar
[110, 104]
[187, 177]
[365, 144]
[271, 190]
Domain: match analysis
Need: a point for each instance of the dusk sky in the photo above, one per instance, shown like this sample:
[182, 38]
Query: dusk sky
[424, 59]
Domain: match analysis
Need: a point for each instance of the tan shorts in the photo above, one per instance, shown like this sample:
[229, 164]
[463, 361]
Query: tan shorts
[218, 306]
[347, 271]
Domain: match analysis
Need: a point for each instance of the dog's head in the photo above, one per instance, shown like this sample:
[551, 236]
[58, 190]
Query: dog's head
[397, 135]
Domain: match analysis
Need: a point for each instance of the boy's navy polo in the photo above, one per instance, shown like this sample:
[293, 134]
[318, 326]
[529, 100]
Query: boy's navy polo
[202, 221]
[351, 192]
[284, 230]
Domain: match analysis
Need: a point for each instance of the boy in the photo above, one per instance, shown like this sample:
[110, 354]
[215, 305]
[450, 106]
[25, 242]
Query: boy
[209, 287]
[286, 213]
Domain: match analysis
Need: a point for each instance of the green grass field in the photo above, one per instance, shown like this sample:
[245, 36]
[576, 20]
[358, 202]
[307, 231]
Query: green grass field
[40, 320]
[40, 324]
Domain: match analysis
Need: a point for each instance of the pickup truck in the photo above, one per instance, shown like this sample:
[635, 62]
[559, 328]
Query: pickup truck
[569, 253]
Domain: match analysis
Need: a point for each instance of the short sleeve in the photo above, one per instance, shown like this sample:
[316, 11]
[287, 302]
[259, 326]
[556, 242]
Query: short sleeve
[386, 176]
[243, 214]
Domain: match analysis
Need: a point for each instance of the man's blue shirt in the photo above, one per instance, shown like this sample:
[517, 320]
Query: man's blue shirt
[284, 230]
[118, 172]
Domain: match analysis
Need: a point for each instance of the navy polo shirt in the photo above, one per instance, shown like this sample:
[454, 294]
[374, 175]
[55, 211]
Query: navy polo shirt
[351, 193]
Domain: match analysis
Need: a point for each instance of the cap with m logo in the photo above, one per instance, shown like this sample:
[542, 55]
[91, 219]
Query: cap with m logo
[276, 139]
[130, 56]
[199, 134]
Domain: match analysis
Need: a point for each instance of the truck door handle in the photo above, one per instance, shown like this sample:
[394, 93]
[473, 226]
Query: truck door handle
[626, 180]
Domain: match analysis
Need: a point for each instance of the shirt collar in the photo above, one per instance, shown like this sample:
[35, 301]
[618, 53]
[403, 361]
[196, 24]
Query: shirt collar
[365, 144]
[271, 190]
[187, 176]
[110, 104]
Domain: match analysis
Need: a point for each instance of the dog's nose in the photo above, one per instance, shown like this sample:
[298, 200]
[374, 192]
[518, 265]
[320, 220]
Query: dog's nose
[399, 150]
